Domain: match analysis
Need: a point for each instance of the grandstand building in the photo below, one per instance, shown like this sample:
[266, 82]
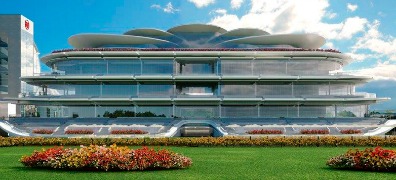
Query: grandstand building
[198, 74]
[18, 57]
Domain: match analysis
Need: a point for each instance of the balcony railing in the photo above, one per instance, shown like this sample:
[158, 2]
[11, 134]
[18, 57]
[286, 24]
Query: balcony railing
[196, 49]
[59, 73]
[202, 95]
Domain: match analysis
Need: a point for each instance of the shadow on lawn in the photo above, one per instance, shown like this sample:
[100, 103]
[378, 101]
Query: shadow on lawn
[356, 170]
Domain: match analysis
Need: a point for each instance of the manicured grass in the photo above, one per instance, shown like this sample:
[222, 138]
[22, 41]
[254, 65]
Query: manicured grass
[209, 163]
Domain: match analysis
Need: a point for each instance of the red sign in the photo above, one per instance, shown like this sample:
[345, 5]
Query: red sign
[27, 24]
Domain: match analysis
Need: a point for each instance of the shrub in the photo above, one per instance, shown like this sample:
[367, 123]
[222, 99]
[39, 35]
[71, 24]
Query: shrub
[351, 131]
[265, 131]
[43, 131]
[96, 157]
[377, 159]
[79, 131]
[293, 141]
[128, 131]
[314, 131]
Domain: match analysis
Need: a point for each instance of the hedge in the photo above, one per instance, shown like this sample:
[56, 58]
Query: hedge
[295, 141]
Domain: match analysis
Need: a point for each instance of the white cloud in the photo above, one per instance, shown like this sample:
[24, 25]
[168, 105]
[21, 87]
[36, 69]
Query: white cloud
[352, 7]
[156, 6]
[329, 45]
[352, 26]
[278, 16]
[380, 71]
[236, 4]
[331, 15]
[363, 56]
[376, 42]
[220, 11]
[167, 9]
[284, 16]
[232, 21]
[170, 9]
[381, 14]
[202, 3]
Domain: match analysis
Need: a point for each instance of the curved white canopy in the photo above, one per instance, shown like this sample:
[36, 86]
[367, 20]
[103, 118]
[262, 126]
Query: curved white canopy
[305, 41]
[245, 32]
[147, 32]
[197, 28]
[97, 40]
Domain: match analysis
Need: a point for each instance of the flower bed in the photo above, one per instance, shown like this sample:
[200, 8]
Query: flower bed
[79, 131]
[377, 159]
[43, 131]
[351, 131]
[128, 131]
[314, 131]
[264, 131]
[96, 157]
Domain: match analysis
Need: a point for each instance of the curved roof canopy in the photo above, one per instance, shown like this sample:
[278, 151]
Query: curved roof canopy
[147, 32]
[196, 36]
[305, 41]
[197, 28]
[245, 32]
[98, 40]
[238, 33]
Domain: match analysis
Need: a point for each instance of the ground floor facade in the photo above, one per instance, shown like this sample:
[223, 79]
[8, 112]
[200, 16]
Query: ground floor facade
[197, 111]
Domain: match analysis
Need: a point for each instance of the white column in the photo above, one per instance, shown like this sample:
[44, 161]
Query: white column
[335, 110]
[298, 110]
[255, 89]
[95, 115]
[220, 114]
[135, 109]
[258, 110]
[292, 88]
[173, 110]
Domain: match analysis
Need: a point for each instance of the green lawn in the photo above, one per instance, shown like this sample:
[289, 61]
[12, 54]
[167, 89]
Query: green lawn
[209, 163]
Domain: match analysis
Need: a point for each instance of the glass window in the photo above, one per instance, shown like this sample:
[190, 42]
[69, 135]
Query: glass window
[127, 66]
[83, 67]
[157, 66]
[188, 67]
[154, 111]
[274, 89]
[150, 90]
[3, 64]
[197, 111]
[278, 111]
[239, 111]
[236, 67]
[196, 89]
[269, 67]
[118, 89]
[246, 89]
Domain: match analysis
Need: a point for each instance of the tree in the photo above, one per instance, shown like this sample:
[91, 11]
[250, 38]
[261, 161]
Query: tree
[346, 113]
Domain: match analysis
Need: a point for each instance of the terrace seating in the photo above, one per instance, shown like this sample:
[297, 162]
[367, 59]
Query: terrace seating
[233, 126]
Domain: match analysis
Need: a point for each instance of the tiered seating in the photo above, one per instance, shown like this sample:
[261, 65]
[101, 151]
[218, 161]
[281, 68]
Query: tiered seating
[233, 126]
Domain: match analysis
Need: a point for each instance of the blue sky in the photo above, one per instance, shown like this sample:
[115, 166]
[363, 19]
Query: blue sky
[363, 29]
